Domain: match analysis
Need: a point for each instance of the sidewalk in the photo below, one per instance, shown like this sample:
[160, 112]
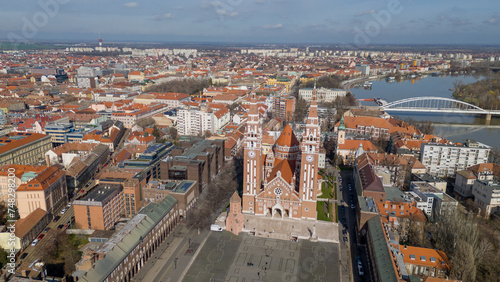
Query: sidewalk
[172, 259]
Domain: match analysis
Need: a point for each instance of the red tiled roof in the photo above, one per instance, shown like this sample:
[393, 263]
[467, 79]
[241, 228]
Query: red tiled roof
[287, 138]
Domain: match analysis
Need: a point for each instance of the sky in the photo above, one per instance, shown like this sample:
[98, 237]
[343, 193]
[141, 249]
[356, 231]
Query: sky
[254, 21]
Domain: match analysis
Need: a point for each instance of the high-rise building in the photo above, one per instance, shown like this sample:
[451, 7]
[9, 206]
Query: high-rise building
[446, 160]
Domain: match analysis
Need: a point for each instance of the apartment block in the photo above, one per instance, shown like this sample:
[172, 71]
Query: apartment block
[100, 209]
[446, 160]
[284, 107]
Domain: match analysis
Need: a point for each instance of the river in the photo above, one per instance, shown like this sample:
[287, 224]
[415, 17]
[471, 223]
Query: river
[454, 127]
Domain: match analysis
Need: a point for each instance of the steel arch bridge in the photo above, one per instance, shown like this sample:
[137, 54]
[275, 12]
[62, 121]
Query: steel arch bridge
[436, 105]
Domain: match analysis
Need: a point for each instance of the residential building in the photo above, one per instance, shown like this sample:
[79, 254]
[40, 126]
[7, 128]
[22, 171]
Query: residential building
[425, 262]
[430, 199]
[464, 179]
[323, 95]
[487, 196]
[27, 229]
[101, 208]
[23, 148]
[284, 107]
[129, 118]
[446, 160]
[47, 190]
[198, 120]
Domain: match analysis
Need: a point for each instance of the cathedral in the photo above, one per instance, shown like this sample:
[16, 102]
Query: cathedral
[281, 182]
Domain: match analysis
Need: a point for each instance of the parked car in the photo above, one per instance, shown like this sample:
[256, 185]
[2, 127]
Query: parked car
[41, 236]
[46, 229]
[23, 255]
[56, 218]
[360, 271]
[215, 227]
[344, 232]
[60, 226]
[345, 239]
[63, 211]
[34, 242]
[66, 226]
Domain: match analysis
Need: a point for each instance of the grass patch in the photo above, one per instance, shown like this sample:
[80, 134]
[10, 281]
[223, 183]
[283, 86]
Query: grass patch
[326, 191]
[322, 215]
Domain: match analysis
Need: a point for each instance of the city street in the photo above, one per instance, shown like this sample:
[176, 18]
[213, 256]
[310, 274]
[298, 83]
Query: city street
[347, 217]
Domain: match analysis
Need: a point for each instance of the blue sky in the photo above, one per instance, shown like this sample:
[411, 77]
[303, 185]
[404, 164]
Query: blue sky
[273, 21]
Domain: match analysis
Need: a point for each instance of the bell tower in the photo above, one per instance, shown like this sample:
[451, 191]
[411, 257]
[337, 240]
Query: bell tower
[252, 162]
[308, 183]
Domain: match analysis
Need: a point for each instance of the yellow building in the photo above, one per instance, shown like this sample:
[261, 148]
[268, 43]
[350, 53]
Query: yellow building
[282, 80]
[47, 191]
[13, 176]
[23, 148]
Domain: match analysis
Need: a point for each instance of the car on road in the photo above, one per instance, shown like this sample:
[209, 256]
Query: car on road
[34, 242]
[63, 211]
[215, 227]
[360, 271]
[352, 206]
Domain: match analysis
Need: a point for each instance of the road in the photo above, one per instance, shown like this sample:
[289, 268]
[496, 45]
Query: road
[347, 216]
[43, 245]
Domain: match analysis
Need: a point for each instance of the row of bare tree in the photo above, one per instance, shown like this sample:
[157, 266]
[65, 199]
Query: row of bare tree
[213, 198]
[471, 252]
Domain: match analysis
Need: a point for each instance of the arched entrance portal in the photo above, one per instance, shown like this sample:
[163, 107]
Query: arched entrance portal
[277, 213]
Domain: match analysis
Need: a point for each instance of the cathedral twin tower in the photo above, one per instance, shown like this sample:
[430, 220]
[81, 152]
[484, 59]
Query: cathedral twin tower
[281, 181]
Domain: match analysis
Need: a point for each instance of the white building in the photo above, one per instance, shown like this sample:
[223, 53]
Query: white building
[487, 195]
[464, 179]
[198, 120]
[446, 160]
[322, 94]
[430, 199]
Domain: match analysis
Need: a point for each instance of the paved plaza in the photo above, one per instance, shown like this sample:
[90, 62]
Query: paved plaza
[244, 258]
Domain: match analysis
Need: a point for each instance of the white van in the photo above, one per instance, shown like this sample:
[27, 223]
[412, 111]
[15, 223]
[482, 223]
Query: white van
[215, 227]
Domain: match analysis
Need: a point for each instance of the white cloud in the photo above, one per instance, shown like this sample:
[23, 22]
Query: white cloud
[268, 26]
[368, 12]
[163, 17]
[223, 12]
[131, 4]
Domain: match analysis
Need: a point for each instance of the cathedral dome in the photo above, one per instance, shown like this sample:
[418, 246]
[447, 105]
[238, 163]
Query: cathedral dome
[287, 146]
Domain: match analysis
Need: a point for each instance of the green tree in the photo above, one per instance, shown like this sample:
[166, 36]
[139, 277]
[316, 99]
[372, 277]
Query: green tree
[3, 258]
